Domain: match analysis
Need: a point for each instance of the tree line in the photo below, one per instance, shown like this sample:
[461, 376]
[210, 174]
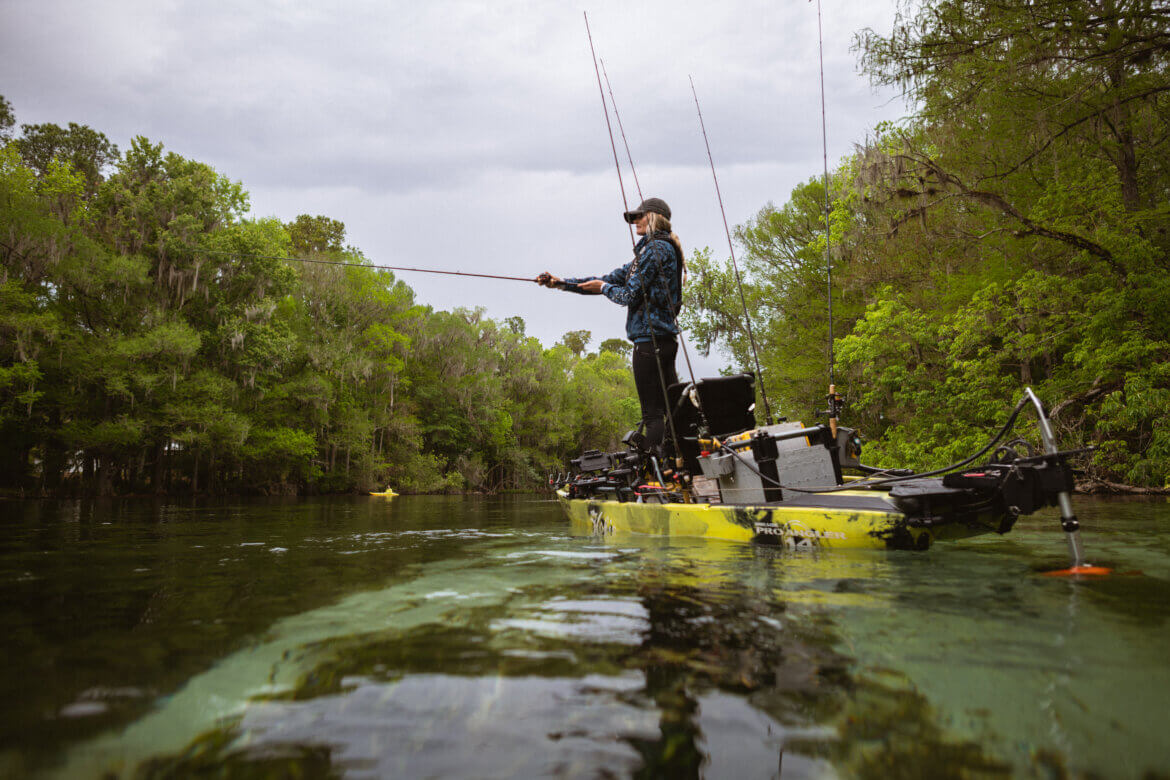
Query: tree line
[154, 340]
[1012, 230]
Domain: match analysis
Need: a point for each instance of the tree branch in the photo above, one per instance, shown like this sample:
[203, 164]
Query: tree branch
[998, 202]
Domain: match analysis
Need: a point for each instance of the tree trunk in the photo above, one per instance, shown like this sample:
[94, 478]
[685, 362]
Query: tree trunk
[1122, 126]
[105, 486]
[52, 466]
[156, 479]
[134, 472]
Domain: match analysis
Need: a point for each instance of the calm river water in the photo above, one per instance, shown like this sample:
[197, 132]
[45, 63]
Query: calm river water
[482, 638]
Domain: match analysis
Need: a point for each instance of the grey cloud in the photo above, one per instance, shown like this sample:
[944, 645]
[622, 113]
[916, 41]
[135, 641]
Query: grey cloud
[382, 113]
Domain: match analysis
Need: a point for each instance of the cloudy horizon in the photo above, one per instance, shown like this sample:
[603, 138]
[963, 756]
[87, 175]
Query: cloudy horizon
[465, 136]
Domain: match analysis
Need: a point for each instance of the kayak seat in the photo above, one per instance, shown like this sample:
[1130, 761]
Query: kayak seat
[728, 405]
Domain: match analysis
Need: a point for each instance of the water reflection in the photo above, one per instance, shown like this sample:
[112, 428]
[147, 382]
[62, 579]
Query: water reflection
[449, 637]
[661, 665]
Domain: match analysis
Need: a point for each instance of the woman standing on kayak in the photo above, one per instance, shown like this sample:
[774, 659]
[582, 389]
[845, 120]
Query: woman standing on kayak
[650, 287]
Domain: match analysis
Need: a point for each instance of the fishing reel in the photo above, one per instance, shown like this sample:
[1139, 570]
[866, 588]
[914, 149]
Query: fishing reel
[596, 472]
[836, 404]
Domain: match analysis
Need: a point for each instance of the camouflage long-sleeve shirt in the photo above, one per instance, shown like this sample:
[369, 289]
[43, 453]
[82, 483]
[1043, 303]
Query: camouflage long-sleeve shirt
[649, 286]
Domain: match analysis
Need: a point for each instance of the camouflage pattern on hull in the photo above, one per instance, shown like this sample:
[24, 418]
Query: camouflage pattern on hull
[793, 527]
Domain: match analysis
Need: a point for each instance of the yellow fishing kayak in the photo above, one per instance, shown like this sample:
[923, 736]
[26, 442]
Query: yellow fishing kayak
[848, 519]
[790, 485]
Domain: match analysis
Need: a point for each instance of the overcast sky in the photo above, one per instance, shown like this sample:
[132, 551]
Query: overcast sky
[464, 135]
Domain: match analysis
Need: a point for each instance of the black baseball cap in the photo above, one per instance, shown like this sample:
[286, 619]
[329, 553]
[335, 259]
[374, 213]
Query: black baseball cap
[657, 205]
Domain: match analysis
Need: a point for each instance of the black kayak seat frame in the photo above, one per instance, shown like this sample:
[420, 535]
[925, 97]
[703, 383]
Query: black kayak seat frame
[727, 404]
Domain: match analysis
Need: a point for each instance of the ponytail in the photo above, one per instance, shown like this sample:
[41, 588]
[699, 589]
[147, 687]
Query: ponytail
[656, 223]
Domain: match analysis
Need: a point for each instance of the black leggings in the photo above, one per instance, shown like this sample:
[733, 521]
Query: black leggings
[649, 384]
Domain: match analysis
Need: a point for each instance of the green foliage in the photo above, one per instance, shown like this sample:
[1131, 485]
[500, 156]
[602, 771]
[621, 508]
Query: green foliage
[18, 387]
[617, 346]
[500, 411]
[281, 452]
[577, 341]
[1012, 232]
[7, 119]
[153, 340]
[85, 150]
[316, 234]
[784, 278]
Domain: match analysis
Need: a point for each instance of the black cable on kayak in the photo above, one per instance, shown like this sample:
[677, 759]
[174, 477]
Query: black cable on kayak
[867, 483]
[731, 246]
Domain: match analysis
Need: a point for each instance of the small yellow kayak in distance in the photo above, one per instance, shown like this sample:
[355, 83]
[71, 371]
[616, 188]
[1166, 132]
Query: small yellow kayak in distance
[387, 493]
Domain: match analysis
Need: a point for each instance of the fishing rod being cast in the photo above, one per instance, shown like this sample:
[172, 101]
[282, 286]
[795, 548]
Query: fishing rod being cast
[369, 266]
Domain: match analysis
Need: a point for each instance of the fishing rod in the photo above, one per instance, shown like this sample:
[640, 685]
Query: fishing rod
[731, 246]
[634, 244]
[825, 159]
[366, 265]
[835, 401]
[682, 341]
[609, 127]
[622, 130]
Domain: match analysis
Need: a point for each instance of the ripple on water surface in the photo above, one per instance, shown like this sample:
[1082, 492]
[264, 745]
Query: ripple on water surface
[473, 638]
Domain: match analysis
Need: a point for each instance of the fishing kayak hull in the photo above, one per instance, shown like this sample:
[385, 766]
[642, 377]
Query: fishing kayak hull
[848, 520]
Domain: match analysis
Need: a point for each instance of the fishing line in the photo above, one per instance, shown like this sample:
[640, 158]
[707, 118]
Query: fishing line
[360, 265]
[681, 336]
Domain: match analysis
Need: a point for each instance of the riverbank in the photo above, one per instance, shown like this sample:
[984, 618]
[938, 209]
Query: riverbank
[1088, 488]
